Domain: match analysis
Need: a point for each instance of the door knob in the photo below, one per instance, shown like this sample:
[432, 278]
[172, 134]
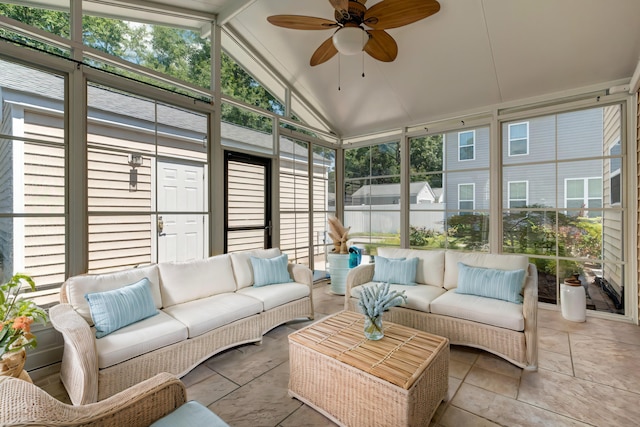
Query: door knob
[160, 226]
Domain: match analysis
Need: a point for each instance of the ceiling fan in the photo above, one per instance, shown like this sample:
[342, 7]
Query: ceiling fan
[352, 19]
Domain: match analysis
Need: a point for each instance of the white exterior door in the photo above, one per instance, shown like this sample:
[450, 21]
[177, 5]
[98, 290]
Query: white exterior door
[181, 190]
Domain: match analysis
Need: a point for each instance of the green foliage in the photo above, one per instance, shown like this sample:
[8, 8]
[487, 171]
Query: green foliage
[470, 231]
[419, 236]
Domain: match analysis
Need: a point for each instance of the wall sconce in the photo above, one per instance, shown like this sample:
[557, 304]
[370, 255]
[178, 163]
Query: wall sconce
[135, 160]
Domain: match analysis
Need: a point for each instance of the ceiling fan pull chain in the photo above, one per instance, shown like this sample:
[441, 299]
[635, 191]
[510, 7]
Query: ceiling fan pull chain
[338, 72]
[363, 63]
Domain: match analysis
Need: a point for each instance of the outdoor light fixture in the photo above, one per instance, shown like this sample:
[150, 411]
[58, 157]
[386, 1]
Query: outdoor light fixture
[350, 40]
[135, 160]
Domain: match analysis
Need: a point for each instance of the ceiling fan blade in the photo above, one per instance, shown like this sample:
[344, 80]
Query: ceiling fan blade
[342, 6]
[396, 13]
[298, 22]
[381, 46]
[325, 52]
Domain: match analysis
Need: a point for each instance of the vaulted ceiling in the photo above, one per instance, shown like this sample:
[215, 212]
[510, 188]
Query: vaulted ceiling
[468, 57]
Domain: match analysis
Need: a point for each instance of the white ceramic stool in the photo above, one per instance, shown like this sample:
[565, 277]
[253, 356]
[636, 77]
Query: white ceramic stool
[573, 301]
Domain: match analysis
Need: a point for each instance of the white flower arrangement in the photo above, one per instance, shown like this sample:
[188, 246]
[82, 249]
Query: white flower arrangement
[374, 300]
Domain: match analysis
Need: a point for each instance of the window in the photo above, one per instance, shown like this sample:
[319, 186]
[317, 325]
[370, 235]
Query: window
[466, 145]
[568, 225]
[372, 184]
[147, 176]
[615, 168]
[466, 196]
[518, 194]
[583, 193]
[519, 139]
[32, 175]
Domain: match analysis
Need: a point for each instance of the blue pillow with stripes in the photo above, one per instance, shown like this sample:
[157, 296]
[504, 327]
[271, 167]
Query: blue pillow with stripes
[491, 283]
[115, 309]
[270, 271]
[400, 271]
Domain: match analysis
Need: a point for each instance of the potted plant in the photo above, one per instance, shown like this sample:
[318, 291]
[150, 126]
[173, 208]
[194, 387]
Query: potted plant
[16, 316]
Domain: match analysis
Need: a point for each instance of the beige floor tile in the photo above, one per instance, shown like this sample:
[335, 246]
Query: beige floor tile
[582, 400]
[493, 381]
[553, 340]
[210, 389]
[201, 372]
[458, 369]
[555, 362]
[462, 354]
[493, 363]
[505, 411]
[249, 361]
[262, 402]
[622, 362]
[307, 417]
[456, 417]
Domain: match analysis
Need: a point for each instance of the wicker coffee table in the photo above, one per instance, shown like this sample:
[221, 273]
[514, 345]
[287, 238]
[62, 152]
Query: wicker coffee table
[397, 381]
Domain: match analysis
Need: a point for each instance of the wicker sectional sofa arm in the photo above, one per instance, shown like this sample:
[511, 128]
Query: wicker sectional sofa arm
[79, 354]
[25, 404]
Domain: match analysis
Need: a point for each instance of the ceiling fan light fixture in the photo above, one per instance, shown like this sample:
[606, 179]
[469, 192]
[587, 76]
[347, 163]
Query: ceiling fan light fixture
[350, 40]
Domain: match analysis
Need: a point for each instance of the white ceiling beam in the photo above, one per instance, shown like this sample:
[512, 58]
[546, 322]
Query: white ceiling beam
[232, 9]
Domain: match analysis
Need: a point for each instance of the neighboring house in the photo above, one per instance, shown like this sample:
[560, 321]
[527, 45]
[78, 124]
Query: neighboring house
[389, 194]
[142, 156]
[542, 140]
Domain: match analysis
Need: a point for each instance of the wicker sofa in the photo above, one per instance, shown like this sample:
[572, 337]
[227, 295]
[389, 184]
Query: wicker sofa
[504, 328]
[204, 307]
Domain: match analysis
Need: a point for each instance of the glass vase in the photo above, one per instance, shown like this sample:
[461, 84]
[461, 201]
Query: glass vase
[373, 328]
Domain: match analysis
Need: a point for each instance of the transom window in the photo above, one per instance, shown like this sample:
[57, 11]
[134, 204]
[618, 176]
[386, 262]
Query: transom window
[518, 194]
[467, 145]
[519, 139]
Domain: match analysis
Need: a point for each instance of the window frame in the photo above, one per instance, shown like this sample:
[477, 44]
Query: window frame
[472, 145]
[510, 139]
[585, 187]
[615, 174]
[473, 193]
[526, 191]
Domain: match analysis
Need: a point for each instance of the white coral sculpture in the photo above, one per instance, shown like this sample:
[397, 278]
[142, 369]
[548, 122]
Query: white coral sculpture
[339, 234]
[374, 300]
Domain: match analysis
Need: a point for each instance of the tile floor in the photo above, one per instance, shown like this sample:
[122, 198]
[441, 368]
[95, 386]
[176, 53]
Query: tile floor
[589, 376]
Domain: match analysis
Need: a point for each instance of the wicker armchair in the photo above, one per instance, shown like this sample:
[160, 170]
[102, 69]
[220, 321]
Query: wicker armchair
[24, 404]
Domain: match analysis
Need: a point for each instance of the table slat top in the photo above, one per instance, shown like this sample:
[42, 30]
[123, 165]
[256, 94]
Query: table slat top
[399, 357]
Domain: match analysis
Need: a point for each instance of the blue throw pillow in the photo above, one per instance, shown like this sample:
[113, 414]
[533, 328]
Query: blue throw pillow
[112, 310]
[401, 271]
[270, 271]
[491, 283]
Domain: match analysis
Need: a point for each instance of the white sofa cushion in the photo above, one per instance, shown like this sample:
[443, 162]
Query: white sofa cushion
[192, 280]
[205, 314]
[419, 297]
[430, 269]
[138, 338]
[278, 294]
[78, 286]
[242, 267]
[490, 311]
[475, 259]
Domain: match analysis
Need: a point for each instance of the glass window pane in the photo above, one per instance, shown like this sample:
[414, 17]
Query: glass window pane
[575, 188]
[468, 231]
[246, 130]
[177, 52]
